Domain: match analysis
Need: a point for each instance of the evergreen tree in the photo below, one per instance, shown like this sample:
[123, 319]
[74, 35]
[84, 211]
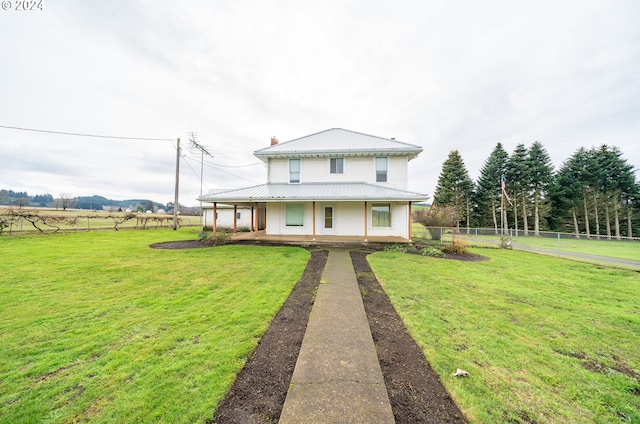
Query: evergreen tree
[541, 176]
[517, 176]
[568, 193]
[489, 191]
[616, 180]
[455, 187]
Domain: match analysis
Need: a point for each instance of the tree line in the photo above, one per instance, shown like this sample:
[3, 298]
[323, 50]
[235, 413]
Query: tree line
[593, 193]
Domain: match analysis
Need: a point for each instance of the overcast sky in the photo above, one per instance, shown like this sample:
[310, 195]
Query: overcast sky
[444, 75]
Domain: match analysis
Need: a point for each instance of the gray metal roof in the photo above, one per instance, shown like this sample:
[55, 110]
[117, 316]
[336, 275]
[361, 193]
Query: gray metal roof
[337, 141]
[355, 191]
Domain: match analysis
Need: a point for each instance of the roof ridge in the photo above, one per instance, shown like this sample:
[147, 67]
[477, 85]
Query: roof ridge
[336, 134]
[353, 132]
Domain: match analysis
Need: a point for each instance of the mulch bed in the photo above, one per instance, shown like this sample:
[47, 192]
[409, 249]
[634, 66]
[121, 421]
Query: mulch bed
[258, 394]
[184, 244]
[415, 391]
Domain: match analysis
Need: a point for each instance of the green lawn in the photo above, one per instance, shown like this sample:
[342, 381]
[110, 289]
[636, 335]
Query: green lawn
[620, 249]
[545, 340]
[99, 327]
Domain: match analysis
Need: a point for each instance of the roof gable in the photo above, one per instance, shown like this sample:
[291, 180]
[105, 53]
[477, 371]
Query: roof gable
[337, 141]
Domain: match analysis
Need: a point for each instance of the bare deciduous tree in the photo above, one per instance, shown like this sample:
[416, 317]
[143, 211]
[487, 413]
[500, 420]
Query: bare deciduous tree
[65, 201]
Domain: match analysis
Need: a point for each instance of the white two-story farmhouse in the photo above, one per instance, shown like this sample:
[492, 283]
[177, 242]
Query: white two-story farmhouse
[334, 183]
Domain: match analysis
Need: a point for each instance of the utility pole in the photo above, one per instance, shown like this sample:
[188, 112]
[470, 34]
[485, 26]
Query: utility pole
[203, 151]
[175, 198]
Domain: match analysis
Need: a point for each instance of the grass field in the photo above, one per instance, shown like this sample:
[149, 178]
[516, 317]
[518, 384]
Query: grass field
[546, 340]
[99, 327]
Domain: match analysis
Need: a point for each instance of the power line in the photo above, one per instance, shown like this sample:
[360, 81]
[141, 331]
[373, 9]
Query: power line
[86, 135]
[193, 156]
[220, 170]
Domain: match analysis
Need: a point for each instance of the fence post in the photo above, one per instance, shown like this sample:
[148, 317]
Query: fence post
[558, 244]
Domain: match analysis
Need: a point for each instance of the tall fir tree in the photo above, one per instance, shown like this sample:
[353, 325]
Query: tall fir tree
[488, 187]
[517, 183]
[541, 177]
[455, 187]
[617, 180]
[568, 194]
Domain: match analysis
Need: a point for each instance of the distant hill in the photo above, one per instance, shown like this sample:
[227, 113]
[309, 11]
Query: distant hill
[99, 202]
[22, 198]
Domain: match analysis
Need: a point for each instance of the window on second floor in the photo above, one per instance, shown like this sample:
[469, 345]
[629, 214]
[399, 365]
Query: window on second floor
[381, 170]
[294, 170]
[336, 165]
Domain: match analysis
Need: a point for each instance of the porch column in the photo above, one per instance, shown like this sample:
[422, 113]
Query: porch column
[257, 216]
[314, 220]
[252, 219]
[410, 221]
[215, 212]
[235, 219]
[366, 224]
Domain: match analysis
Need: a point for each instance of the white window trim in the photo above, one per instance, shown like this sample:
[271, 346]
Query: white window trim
[375, 169]
[344, 162]
[373, 205]
[299, 172]
[286, 215]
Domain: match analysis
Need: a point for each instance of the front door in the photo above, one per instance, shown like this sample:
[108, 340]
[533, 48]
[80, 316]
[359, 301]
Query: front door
[328, 220]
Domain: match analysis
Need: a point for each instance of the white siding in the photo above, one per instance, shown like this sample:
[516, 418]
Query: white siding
[277, 224]
[348, 220]
[399, 221]
[279, 170]
[313, 170]
[225, 218]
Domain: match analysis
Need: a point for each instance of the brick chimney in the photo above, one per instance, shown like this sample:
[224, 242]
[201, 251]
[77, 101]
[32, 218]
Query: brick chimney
[274, 140]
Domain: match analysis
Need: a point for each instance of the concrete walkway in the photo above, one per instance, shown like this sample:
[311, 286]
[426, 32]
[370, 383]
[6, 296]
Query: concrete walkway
[337, 378]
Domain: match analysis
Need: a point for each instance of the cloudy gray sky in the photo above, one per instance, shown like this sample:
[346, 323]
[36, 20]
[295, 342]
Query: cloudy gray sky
[444, 75]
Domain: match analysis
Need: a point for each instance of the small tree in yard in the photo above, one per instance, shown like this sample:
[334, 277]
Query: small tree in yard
[436, 216]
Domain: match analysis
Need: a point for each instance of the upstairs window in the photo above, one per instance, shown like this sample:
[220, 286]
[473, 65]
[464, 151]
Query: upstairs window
[381, 170]
[336, 165]
[294, 170]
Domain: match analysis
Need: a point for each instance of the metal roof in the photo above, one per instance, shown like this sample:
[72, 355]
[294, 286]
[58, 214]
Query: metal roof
[337, 192]
[337, 141]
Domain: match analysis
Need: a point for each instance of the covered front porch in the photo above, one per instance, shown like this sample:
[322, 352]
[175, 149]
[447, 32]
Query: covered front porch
[263, 237]
[359, 222]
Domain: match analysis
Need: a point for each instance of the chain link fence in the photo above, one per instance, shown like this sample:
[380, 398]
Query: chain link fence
[599, 249]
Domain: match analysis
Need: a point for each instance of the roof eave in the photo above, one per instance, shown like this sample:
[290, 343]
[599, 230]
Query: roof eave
[412, 153]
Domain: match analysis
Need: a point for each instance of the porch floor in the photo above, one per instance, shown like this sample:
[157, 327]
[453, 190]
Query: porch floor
[324, 240]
